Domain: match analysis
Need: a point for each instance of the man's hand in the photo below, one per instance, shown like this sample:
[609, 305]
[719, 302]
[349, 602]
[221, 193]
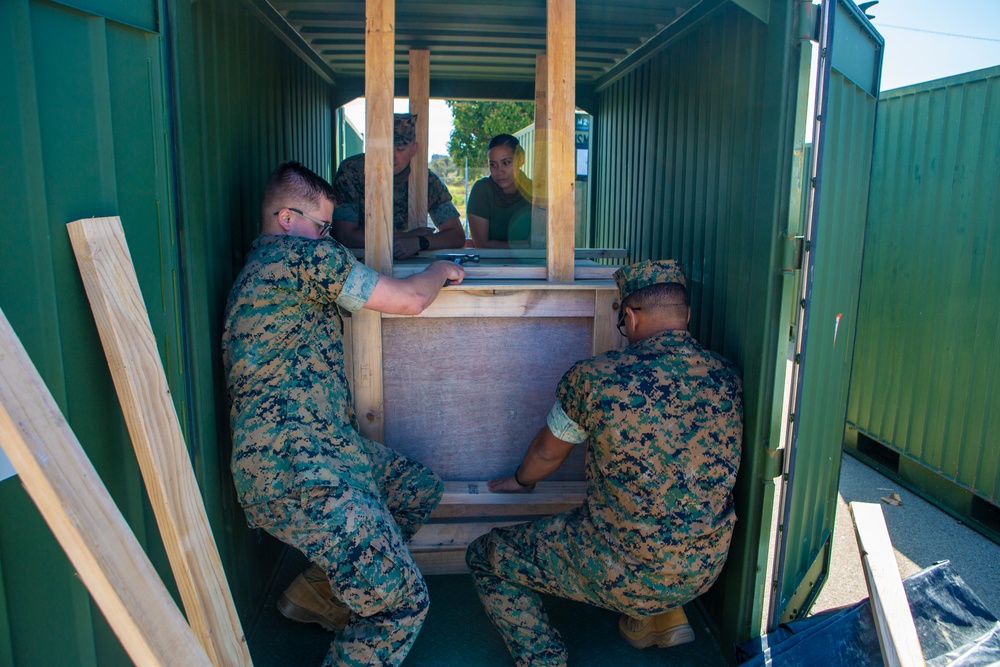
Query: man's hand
[508, 485]
[404, 247]
[455, 272]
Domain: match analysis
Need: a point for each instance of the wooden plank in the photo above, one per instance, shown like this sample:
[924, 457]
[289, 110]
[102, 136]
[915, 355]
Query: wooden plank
[561, 172]
[514, 271]
[380, 42]
[441, 561]
[540, 153]
[420, 86]
[510, 302]
[606, 334]
[76, 505]
[897, 634]
[467, 420]
[366, 345]
[532, 253]
[130, 346]
[547, 494]
[444, 536]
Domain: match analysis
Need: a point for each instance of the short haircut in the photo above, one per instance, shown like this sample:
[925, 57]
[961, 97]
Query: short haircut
[292, 185]
[670, 298]
[508, 140]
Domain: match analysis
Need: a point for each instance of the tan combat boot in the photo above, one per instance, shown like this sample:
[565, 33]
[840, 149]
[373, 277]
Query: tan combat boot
[309, 599]
[670, 628]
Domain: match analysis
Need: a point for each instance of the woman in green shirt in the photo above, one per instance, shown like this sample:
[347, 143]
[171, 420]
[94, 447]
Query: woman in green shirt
[499, 206]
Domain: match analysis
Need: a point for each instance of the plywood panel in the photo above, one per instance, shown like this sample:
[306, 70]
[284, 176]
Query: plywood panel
[466, 396]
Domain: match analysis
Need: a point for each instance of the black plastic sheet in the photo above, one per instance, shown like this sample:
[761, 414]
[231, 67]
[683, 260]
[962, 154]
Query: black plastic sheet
[954, 626]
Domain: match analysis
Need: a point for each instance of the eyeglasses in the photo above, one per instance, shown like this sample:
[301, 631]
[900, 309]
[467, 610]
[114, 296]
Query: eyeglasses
[324, 226]
[621, 319]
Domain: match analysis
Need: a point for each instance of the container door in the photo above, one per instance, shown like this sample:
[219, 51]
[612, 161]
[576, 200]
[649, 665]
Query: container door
[847, 83]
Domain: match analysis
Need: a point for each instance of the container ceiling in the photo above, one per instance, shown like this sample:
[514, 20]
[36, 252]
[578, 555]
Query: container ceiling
[478, 50]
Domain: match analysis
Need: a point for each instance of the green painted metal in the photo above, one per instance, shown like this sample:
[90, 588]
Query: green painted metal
[847, 91]
[83, 134]
[925, 374]
[243, 103]
[693, 160]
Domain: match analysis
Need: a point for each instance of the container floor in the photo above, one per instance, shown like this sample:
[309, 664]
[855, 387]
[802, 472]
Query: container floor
[457, 632]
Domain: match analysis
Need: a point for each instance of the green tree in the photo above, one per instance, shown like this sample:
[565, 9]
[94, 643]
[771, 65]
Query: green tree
[478, 122]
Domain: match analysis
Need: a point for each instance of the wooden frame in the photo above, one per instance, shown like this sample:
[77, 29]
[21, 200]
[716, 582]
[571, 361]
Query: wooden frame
[420, 86]
[500, 298]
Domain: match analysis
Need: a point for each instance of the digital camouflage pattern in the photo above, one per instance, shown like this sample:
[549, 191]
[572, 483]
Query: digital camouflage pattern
[663, 423]
[292, 418]
[360, 542]
[634, 277]
[404, 129]
[349, 186]
[302, 471]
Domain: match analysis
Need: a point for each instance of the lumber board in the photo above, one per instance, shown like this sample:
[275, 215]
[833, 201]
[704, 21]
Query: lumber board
[441, 561]
[525, 253]
[368, 391]
[129, 344]
[76, 505]
[444, 536]
[560, 49]
[420, 86]
[540, 154]
[606, 334]
[897, 634]
[546, 494]
[513, 271]
[465, 396]
[510, 302]
[380, 44]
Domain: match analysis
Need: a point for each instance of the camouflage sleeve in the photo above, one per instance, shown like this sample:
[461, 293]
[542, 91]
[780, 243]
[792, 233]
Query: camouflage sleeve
[563, 427]
[349, 189]
[324, 268]
[573, 398]
[358, 287]
[439, 204]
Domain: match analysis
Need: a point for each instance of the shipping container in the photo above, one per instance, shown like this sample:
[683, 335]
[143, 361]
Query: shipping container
[171, 114]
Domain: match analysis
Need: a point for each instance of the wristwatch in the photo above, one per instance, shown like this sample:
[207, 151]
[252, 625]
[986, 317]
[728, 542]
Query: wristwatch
[424, 243]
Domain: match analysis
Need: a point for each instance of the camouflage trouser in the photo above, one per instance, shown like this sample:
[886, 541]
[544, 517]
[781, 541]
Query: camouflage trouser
[561, 555]
[360, 541]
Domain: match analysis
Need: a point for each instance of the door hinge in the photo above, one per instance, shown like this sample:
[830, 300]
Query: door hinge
[809, 14]
[774, 464]
[791, 252]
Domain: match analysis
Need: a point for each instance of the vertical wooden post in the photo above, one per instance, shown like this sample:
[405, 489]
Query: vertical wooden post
[541, 153]
[420, 89]
[380, 45]
[561, 86]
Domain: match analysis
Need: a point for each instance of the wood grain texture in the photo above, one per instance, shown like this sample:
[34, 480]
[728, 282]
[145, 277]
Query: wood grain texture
[561, 180]
[606, 334]
[510, 302]
[540, 167]
[380, 43]
[466, 396]
[129, 344]
[897, 634]
[366, 346]
[76, 505]
[584, 270]
[420, 87]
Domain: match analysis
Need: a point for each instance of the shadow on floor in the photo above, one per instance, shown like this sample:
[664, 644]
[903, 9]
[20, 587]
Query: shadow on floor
[458, 633]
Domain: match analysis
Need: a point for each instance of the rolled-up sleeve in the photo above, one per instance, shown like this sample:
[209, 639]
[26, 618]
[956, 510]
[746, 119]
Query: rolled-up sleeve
[358, 287]
[563, 427]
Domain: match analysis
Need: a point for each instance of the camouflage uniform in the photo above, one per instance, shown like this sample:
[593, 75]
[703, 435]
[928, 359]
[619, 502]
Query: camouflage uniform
[662, 419]
[349, 184]
[302, 471]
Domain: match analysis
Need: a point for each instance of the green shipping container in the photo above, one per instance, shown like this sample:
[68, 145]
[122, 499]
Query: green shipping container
[924, 400]
[171, 114]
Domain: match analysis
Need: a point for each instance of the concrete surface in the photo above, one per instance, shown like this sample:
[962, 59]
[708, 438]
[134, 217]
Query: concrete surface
[921, 535]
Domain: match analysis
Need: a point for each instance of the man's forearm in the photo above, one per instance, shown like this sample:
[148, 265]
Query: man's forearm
[544, 456]
[449, 237]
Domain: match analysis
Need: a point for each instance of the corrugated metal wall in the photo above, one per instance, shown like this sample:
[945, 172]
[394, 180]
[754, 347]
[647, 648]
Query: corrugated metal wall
[82, 133]
[170, 115]
[692, 161]
[928, 347]
[244, 102]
